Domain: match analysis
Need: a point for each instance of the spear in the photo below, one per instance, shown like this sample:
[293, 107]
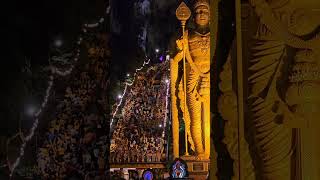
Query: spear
[183, 13]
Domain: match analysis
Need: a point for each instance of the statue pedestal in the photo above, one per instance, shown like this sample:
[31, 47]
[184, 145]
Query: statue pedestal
[198, 168]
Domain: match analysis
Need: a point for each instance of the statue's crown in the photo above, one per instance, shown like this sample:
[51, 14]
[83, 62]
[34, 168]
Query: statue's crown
[201, 3]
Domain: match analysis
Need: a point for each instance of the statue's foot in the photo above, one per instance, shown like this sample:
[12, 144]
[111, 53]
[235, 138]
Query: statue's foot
[201, 156]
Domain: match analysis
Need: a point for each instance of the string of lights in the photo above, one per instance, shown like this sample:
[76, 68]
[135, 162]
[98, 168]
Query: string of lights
[125, 91]
[34, 127]
[94, 25]
[119, 104]
[166, 112]
[75, 59]
[54, 71]
[139, 69]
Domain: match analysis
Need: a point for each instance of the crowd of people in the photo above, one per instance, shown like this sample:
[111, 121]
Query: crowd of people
[138, 134]
[77, 141]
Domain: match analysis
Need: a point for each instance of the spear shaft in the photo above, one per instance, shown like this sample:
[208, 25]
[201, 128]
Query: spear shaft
[183, 13]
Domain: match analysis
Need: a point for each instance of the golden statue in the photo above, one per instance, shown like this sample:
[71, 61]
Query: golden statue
[192, 90]
[283, 84]
[282, 102]
[282, 56]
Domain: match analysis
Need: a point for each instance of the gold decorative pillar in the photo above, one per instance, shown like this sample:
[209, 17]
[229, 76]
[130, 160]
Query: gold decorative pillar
[214, 13]
[240, 85]
[206, 127]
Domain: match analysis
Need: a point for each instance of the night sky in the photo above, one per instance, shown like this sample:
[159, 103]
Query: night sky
[32, 25]
[29, 32]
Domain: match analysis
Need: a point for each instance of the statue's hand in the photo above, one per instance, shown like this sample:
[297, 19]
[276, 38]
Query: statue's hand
[179, 43]
[182, 43]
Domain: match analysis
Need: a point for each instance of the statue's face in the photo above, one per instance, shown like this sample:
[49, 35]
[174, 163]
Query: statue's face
[202, 16]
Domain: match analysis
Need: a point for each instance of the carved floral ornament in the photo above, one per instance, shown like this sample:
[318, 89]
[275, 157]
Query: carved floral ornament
[183, 13]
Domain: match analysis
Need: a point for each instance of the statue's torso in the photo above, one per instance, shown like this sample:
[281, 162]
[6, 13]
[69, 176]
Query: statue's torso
[199, 46]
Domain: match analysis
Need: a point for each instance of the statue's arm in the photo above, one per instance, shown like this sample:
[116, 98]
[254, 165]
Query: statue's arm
[264, 12]
[174, 69]
[177, 58]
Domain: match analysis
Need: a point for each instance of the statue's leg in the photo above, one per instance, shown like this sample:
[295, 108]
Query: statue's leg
[206, 125]
[174, 109]
[194, 106]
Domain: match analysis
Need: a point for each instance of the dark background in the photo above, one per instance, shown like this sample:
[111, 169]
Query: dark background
[29, 31]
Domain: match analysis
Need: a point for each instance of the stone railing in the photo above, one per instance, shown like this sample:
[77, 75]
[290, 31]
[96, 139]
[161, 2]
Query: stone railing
[118, 158]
